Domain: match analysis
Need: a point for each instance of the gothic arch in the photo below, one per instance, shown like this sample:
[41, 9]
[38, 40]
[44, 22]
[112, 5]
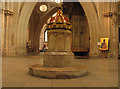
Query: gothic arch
[91, 14]
[93, 22]
[26, 10]
[40, 26]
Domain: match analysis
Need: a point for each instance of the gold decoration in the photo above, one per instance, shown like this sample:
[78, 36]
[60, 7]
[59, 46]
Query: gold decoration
[59, 21]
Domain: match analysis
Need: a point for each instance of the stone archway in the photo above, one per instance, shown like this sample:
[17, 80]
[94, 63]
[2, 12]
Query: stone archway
[91, 15]
[26, 10]
[93, 23]
[40, 26]
[40, 19]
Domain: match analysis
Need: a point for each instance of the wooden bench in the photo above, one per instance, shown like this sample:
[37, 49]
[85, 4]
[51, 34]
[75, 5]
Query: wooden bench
[81, 53]
[80, 50]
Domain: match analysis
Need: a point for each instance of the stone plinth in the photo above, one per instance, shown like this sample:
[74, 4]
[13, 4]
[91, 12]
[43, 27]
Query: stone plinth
[57, 73]
[58, 59]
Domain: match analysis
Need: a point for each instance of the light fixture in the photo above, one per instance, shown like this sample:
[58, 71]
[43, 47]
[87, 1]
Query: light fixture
[57, 1]
[43, 8]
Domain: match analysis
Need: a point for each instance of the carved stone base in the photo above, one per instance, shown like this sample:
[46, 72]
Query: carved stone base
[58, 59]
[57, 73]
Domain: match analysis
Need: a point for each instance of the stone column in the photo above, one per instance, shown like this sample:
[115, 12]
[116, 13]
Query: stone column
[113, 31]
[42, 36]
[0, 56]
[3, 28]
[10, 33]
[20, 33]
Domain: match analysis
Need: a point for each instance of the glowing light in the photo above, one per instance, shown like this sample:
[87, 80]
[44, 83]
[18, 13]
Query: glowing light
[54, 14]
[57, 1]
[43, 8]
[46, 39]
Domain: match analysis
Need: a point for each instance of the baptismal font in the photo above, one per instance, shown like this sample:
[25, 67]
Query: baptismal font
[58, 60]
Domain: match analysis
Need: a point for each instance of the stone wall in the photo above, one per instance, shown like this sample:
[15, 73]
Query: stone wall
[108, 25]
[11, 41]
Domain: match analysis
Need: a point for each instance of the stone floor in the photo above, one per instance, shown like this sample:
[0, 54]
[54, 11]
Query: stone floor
[102, 73]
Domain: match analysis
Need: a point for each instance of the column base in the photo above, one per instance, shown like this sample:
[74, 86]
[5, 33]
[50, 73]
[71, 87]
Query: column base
[58, 59]
[9, 51]
[57, 73]
[21, 51]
